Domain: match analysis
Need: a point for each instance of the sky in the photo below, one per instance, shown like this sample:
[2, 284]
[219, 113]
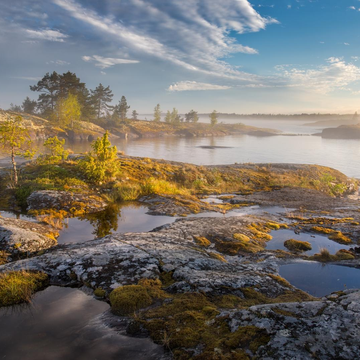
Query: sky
[233, 56]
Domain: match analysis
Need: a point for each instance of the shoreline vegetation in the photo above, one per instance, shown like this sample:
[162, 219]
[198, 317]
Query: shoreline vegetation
[199, 286]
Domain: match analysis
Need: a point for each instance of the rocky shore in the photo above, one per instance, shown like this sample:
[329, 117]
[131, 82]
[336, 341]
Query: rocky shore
[208, 287]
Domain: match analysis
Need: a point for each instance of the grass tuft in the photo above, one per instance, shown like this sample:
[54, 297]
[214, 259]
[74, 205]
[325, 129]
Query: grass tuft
[19, 286]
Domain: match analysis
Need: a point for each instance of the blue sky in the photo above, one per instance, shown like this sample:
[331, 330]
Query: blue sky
[280, 56]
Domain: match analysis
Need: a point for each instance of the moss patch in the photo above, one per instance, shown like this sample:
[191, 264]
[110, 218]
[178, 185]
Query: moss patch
[297, 245]
[340, 238]
[202, 241]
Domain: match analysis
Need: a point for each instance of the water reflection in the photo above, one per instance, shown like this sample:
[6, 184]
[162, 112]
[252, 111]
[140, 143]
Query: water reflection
[317, 242]
[64, 323]
[117, 218]
[319, 279]
[336, 153]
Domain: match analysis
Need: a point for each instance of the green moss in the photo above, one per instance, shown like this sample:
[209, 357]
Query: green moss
[340, 238]
[202, 241]
[247, 337]
[18, 286]
[99, 292]
[217, 256]
[273, 226]
[322, 230]
[344, 255]
[129, 298]
[241, 237]
[297, 245]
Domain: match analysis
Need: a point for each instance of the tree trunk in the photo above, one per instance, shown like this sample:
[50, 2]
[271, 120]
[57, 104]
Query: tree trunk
[14, 166]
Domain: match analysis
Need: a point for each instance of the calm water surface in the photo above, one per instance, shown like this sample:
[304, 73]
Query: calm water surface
[320, 279]
[64, 323]
[317, 242]
[342, 155]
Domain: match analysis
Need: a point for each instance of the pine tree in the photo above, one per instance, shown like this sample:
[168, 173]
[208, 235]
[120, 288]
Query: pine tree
[175, 118]
[192, 116]
[49, 87]
[121, 109]
[101, 163]
[29, 106]
[101, 97]
[168, 117]
[157, 113]
[134, 115]
[213, 118]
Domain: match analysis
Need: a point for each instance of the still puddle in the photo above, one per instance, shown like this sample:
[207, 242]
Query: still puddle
[64, 323]
[246, 210]
[320, 279]
[129, 217]
[317, 242]
[15, 215]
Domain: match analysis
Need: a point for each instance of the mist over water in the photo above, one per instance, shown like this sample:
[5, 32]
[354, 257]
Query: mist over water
[342, 155]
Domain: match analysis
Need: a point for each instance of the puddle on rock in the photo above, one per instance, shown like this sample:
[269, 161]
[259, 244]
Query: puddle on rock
[65, 323]
[246, 210]
[317, 242]
[320, 279]
[15, 215]
[129, 217]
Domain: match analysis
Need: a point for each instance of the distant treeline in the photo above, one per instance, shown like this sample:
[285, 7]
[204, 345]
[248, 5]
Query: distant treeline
[64, 100]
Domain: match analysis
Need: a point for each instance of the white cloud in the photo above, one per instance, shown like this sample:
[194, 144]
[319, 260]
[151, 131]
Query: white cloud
[50, 35]
[347, 44]
[194, 34]
[336, 74]
[58, 62]
[193, 85]
[29, 78]
[105, 63]
[102, 72]
[352, 7]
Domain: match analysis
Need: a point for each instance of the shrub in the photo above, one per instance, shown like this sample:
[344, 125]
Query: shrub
[101, 163]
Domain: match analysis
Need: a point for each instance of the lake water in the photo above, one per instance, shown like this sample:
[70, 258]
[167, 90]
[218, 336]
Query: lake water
[340, 154]
[65, 323]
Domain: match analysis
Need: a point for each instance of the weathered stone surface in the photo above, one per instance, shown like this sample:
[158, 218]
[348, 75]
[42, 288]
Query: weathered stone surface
[20, 236]
[325, 329]
[63, 200]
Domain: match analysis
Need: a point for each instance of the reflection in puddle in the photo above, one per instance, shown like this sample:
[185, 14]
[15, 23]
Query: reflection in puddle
[319, 279]
[15, 215]
[130, 217]
[64, 323]
[317, 242]
[246, 210]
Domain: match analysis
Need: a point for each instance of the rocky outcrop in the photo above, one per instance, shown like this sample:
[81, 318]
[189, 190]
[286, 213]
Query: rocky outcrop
[325, 329]
[63, 200]
[20, 237]
[342, 132]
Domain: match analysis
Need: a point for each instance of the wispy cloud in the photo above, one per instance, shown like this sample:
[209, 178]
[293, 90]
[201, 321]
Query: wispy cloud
[194, 34]
[58, 62]
[47, 34]
[193, 85]
[29, 78]
[104, 63]
[336, 74]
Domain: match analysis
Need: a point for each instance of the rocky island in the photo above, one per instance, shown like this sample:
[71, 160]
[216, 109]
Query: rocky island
[204, 286]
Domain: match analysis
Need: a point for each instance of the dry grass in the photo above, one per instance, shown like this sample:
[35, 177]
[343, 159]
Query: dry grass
[18, 286]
